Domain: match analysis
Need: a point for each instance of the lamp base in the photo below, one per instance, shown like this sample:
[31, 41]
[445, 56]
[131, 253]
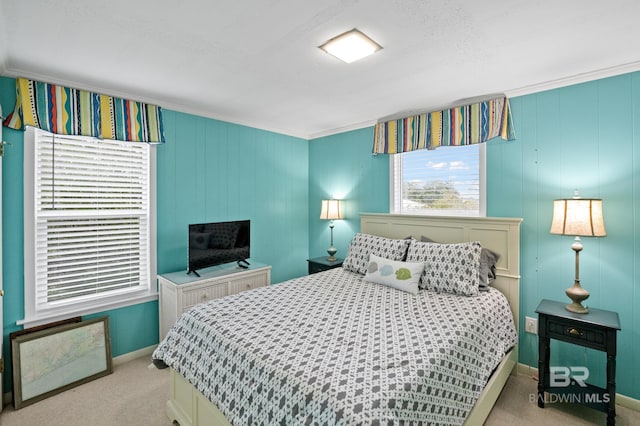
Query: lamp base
[332, 252]
[577, 294]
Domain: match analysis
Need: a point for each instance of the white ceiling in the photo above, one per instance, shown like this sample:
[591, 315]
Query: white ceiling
[256, 62]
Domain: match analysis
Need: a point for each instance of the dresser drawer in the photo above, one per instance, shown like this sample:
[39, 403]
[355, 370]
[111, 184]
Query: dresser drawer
[202, 294]
[589, 335]
[248, 283]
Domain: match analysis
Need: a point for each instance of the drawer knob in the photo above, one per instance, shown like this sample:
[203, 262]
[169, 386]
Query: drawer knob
[575, 332]
[205, 296]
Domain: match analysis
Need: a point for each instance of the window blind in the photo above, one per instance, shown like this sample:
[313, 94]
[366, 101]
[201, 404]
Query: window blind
[92, 219]
[446, 181]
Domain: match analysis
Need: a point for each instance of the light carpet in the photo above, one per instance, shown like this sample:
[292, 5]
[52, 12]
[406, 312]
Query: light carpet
[136, 395]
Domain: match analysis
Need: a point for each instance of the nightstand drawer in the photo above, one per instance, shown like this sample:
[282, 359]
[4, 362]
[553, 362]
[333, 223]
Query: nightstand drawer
[591, 336]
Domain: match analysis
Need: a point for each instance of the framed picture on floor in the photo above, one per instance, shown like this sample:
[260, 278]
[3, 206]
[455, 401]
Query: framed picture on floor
[54, 359]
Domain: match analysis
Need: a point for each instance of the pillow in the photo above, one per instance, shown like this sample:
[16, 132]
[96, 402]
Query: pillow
[450, 268]
[488, 260]
[401, 275]
[363, 245]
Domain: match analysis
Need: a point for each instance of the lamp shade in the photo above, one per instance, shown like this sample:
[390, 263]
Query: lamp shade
[580, 217]
[331, 209]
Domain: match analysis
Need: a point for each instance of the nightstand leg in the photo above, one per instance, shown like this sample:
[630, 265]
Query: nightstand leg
[611, 390]
[543, 368]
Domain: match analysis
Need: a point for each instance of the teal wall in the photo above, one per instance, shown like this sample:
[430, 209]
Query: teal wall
[581, 136]
[586, 137]
[207, 171]
[210, 171]
[343, 167]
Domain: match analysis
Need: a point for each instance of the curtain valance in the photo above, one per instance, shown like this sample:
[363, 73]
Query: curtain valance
[66, 111]
[463, 125]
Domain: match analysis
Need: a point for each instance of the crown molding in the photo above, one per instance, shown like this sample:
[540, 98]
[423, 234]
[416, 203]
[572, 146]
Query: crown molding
[343, 129]
[574, 79]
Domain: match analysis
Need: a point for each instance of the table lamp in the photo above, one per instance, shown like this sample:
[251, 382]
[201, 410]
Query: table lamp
[579, 217]
[331, 210]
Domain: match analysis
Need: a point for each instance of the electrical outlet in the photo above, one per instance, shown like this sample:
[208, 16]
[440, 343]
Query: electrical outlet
[531, 325]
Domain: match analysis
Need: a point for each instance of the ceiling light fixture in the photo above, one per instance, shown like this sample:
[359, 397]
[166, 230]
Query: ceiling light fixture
[351, 46]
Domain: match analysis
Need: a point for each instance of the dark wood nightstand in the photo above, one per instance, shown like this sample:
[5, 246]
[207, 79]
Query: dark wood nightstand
[597, 330]
[319, 264]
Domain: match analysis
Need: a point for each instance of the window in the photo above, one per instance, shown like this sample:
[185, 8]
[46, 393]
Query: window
[448, 181]
[89, 224]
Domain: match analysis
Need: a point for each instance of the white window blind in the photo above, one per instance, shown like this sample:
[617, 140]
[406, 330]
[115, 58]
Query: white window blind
[447, 181]
[91, 223]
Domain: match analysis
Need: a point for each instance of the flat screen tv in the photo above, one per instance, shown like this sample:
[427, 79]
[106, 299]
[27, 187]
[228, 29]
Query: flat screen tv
[217, 243]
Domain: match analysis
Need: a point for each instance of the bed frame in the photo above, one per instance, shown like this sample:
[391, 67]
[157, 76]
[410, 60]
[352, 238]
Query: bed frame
[188, 407]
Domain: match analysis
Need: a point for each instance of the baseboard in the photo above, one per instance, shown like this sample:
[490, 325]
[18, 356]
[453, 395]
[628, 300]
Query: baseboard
[622, 400]
[134, 355]
[630, 403]
[527, 370]
[7, 398]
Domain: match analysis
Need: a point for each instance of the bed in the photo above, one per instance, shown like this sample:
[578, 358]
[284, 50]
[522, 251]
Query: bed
[332, 348]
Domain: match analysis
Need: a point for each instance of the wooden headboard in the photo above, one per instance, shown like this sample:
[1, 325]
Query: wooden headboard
[501, 235]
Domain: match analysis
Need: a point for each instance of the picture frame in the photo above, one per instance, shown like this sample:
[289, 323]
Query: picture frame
[15, 334]
[54, 359]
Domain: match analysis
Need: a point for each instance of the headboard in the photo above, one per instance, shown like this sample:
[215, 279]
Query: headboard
[501, 235]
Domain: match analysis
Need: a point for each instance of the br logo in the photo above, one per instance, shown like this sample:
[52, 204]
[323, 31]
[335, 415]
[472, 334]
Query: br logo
[561, 377]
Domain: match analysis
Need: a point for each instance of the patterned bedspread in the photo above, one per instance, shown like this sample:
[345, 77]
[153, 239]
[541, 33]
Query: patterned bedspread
[332, 349]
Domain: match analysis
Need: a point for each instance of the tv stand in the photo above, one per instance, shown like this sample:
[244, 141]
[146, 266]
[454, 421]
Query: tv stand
[243, 264]
[179, 291]
[194, 272]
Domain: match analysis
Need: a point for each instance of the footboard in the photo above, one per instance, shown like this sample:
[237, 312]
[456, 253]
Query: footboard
[188, 407]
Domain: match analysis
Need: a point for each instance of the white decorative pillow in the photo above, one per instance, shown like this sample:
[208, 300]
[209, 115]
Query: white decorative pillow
[401, 275]
[450, 268]
[363, 245]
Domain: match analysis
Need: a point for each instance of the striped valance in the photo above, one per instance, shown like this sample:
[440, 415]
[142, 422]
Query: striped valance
[463, 125]
[66, 111]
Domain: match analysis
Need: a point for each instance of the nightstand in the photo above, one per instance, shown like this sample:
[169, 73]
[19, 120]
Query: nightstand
[319, 264]
[596, 330]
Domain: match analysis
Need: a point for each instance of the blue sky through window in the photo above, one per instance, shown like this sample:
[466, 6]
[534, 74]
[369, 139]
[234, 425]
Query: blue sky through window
[458, 165]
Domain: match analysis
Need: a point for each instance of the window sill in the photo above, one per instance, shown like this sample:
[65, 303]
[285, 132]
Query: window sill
[44, 319]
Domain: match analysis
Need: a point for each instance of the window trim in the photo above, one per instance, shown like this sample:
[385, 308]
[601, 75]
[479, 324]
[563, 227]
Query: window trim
[394, 164]
[33, 317]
